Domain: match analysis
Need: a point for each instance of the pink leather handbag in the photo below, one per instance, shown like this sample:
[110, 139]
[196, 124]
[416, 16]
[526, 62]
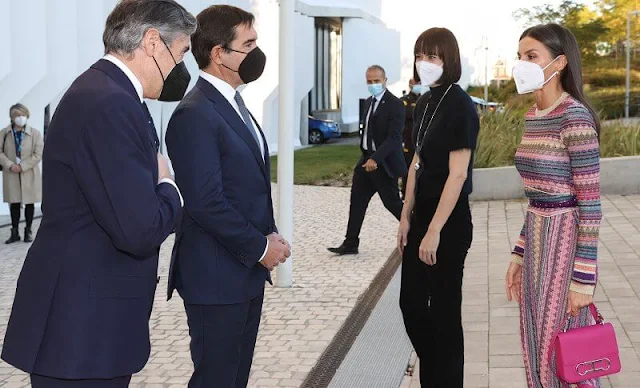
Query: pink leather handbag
[586, 352]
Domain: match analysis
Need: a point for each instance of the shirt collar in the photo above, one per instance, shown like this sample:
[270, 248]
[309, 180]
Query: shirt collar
[379, 96]
[223, 87]
[132, 77]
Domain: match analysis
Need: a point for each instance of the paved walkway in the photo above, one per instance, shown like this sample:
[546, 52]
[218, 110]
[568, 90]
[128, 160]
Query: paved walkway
[491, 323]
[298, 323]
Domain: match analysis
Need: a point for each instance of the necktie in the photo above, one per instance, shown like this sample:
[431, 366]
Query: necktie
[247, 118]
[152, 129]
[370, 146]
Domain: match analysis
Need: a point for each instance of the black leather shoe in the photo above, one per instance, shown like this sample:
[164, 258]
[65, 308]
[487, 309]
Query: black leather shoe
[27, 235]
[15, 236]
[344, 249]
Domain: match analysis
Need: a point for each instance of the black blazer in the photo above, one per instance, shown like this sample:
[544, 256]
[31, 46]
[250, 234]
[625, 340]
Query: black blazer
[386, 131]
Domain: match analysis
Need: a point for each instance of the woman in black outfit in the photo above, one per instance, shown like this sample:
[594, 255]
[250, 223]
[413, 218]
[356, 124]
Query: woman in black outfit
[435, 230]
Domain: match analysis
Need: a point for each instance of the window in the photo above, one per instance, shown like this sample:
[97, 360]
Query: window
[327, 92]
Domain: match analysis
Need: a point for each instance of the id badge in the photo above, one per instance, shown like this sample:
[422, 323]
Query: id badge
[18, 160]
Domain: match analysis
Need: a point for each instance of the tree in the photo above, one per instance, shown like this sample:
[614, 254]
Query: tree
[614, 14]
[587, 26]
[544, 14]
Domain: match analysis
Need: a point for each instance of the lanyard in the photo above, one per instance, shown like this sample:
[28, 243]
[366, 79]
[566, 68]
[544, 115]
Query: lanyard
[17, 137]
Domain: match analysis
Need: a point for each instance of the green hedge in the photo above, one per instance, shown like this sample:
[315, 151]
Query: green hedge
[500, 135]
[609, 77]
[609, 102]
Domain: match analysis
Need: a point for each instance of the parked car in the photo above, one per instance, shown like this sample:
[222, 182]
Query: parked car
[322, 130]
[491, 106]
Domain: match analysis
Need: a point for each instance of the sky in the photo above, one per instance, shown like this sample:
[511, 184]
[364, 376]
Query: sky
[469, 20]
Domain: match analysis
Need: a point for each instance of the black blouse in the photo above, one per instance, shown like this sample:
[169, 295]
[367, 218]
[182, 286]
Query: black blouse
[455, 126]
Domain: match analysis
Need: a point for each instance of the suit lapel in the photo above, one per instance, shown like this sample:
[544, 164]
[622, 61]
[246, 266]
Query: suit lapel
[117, 75]
[120, 78]
[369, 106]
[382, 103]
[233, 119]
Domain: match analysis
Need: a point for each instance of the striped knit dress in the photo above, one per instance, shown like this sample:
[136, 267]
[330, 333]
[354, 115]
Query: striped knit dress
[559, 162]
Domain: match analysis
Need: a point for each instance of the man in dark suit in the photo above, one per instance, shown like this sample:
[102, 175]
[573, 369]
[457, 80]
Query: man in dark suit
[227, 242]
[382, 161]
[81, 312]
[409, 101]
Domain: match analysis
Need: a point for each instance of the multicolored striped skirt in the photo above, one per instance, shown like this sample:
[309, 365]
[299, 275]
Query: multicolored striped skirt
[550, 247]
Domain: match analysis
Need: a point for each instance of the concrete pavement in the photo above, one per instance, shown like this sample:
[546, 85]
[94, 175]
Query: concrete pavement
[299, 323]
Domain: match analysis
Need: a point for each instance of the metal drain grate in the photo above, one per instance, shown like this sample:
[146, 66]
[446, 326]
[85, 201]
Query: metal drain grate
[324, 370]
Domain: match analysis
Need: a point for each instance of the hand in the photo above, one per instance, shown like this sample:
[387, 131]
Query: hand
[163, 168]
[16, 168]
[513, 282]
[277, 237]
[277, 253]
[403, 231]
[429, 247]
[578, 301]
[371, 165]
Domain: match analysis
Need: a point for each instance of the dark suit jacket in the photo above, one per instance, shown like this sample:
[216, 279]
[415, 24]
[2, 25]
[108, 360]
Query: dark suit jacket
[85, 293]
[386, 131]
[228, 206]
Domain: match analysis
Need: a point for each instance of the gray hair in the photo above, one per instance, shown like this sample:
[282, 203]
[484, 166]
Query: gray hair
[19, 109]
[377, 67]
[131, 19]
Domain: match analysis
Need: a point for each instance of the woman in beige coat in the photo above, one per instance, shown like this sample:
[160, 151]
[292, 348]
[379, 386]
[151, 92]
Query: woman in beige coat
[20, 155]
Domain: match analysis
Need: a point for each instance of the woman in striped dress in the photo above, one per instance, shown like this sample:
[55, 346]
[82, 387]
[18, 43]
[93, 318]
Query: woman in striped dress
[553, 269]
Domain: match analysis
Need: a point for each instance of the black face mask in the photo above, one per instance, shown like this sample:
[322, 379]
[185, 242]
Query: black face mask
[252, 66]
[176, 83]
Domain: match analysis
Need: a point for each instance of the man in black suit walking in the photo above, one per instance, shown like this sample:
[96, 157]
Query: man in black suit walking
[382, 161]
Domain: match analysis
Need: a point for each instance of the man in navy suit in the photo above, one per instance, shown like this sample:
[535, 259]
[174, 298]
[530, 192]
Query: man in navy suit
[227, 242]
[382, 161]
[81, 312]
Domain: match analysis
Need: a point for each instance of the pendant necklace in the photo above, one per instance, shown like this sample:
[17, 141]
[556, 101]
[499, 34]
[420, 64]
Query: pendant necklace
[420, 141]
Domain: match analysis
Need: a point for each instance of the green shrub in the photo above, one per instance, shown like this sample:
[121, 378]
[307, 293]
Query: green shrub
[618, 139]
[609, 77]
[501, 133]
[609, 102]
[499, 137]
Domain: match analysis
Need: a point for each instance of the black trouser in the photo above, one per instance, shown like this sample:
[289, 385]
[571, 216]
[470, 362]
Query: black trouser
[50, 382]
[223, 338]
[15, 214]
[431, 296]
[363, 187]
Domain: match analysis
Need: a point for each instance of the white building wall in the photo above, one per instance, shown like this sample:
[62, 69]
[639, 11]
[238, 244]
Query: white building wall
[64, 37]
[359, 52]
[304, 79]
[371, 7]
[44, 55]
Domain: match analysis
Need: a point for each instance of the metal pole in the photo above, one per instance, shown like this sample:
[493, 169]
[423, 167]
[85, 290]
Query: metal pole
[486, 75]
[628, 83]
[286, 121]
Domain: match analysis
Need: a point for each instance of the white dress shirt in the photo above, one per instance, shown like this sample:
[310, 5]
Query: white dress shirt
[138, 87]
[229, 93]
[371, 111]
